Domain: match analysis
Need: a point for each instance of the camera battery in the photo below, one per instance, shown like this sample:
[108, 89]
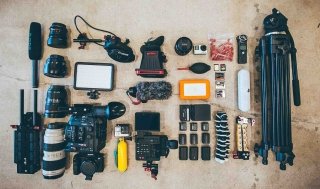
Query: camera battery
[204, 126]
[205, 153]
[183, 153]
[193, 155]
[193, 126]
[182, 126]
[193, 139]
[205, 138]
[182, 139]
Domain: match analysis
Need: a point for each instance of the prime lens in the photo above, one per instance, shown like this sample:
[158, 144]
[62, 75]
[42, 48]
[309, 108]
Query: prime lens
[55, 66]
[56, 102]
[58, 35]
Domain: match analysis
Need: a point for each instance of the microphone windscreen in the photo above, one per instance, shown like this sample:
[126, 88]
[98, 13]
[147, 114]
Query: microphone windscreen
[35, 43]
[160, 90]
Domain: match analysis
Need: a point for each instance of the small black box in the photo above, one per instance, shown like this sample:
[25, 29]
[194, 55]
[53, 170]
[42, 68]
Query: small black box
[182, 126]
[182, 139]
[183, 153]
[193, 155]
[205, 153]
[204, 126]
[193, 126]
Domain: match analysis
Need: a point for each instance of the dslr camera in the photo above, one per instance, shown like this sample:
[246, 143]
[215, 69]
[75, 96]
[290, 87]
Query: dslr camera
[88, 164]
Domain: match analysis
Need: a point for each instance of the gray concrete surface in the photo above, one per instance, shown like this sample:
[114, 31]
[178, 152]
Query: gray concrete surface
[138, 21]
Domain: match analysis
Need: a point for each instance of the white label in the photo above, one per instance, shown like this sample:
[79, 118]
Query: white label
[195, 89]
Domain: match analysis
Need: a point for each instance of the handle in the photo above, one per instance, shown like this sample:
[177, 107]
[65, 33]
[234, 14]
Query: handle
[296, 92]
[35, 77]
[182, 68]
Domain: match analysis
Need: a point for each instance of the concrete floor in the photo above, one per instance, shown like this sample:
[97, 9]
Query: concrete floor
[138, 21]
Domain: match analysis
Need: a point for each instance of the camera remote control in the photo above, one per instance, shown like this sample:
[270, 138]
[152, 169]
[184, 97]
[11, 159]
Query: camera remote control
[242, 49]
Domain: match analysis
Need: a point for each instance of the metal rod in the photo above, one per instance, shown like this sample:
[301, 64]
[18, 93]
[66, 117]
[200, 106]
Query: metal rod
[88, 40]
[35, 106]
[21, 106]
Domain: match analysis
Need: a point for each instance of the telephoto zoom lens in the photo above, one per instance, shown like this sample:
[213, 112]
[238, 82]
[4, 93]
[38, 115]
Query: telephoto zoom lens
[56, 102]
[54, 157]
[58, 36]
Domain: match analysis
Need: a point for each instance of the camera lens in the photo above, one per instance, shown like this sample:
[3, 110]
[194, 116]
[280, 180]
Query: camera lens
[54, 158]
[56, 101]
[58, 36]
[55, 66]
[203, 47]
[183, 46]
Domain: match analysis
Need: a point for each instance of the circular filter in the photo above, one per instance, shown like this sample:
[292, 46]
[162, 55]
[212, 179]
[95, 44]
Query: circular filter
[183, 46]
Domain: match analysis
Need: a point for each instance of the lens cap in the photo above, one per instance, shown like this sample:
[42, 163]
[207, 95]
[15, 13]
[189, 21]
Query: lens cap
[183, 46]
[88, 168]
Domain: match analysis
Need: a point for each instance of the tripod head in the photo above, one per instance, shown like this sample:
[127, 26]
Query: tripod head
[275, 22]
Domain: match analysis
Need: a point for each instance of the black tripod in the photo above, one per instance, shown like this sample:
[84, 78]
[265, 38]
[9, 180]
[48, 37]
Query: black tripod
[274, 49]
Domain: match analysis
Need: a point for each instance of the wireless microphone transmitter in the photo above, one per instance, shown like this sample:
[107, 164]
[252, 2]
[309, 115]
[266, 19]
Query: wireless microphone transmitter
[35, 50]
[242, 49]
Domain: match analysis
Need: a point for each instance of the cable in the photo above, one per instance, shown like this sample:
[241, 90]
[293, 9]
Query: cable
[75, 24]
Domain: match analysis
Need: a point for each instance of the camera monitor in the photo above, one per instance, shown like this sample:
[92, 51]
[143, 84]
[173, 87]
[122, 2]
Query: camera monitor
[147, 121]
[96, 76]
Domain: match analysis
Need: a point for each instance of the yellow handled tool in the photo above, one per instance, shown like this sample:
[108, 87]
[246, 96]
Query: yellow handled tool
[122, 155]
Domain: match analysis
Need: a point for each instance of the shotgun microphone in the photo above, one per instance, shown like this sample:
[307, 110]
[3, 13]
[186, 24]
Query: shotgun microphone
[35, 50]
[144, 91]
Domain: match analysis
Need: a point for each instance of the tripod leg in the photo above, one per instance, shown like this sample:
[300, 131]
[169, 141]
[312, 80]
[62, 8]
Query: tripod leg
[264, 102]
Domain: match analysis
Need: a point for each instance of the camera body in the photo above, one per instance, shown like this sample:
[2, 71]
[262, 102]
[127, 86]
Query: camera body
[150, 147]
[88, 164]
[86, 133]
[200, 49]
